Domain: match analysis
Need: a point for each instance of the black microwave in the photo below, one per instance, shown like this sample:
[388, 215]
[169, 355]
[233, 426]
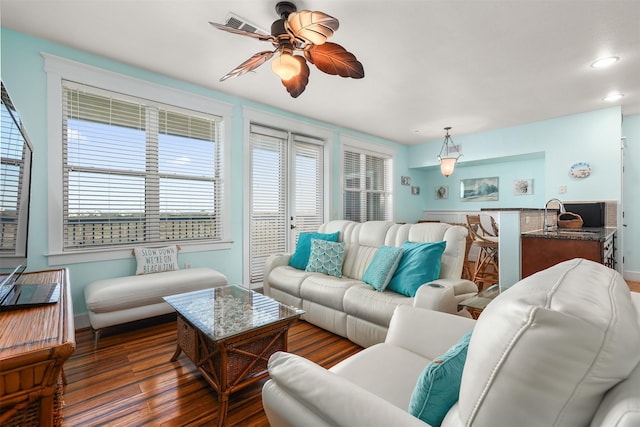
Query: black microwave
[592, 213]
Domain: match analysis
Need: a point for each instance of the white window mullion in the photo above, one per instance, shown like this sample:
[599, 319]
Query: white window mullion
[152, 178]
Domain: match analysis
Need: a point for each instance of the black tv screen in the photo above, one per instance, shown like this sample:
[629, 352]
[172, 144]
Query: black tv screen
[15, 186]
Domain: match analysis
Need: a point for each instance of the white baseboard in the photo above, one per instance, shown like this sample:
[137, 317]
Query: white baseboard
[634, 276]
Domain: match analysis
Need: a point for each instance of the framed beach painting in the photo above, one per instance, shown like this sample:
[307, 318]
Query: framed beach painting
[479, 189]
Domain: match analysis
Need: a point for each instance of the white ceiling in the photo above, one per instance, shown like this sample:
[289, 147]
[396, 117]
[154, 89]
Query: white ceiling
[474, 65]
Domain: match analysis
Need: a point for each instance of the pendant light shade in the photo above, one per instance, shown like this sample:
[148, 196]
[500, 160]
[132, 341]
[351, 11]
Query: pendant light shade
[449, 155]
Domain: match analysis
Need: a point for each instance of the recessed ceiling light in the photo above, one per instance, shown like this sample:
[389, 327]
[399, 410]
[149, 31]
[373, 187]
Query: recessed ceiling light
[613, 96]
[605, 62]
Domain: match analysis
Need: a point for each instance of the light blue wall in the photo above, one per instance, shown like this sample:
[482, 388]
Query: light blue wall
[507, 170]
[23, 73]
[592, 137]
[631, 130]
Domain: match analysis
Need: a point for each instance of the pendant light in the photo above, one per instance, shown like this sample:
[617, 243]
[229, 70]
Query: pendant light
[449, 155]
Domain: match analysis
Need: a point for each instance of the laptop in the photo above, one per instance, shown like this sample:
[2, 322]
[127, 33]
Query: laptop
[14, 295]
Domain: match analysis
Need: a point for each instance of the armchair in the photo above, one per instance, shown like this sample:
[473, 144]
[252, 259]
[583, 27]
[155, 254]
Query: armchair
[561, 347]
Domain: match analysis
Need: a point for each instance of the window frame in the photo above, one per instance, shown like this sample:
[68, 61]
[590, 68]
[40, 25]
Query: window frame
[372, 149]
[59, 69]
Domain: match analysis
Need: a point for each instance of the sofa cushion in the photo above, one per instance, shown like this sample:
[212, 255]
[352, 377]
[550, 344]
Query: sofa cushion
[300, 257]
[438, 386]
[382, 267]
[288, 279]
[326, 257]
[365, 303]
[396, 371]
[156, 260]
[420, 264]
[121, 293]
[552, 346]
[326, 290]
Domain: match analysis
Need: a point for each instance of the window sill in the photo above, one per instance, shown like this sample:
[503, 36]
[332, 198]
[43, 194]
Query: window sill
[108, 254]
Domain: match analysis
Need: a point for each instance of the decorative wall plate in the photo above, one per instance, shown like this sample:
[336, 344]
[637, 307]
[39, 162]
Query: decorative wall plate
[580, 170]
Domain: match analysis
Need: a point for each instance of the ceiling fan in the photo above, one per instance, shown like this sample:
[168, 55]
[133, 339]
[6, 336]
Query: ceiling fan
[304, 31]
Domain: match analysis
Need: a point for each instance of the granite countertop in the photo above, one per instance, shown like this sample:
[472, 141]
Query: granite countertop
[599, 234]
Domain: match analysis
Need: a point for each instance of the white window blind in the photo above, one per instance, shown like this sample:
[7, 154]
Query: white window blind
[138, 171]
[367, 185]
[268, 196]
[309, 184]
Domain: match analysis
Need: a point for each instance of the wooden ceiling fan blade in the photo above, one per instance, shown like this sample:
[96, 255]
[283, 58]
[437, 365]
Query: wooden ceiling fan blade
[250, 64]
[312, 27]
[297, 84]
[263, 37]
[331, 58]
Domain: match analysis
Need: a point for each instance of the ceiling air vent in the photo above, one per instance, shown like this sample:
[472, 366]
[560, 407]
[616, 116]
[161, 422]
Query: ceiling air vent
[234, 21]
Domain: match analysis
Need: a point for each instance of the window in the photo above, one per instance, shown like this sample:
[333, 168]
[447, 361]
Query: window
[367, 185]
[137, 171]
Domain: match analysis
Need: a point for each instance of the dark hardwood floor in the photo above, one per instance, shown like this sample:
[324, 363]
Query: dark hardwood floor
[129, 380]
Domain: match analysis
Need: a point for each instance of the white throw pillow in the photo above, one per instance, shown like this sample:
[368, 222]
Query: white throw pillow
[155, 260]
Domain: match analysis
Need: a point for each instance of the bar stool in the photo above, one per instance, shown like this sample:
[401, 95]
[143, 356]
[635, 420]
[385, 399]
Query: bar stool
[486, 268]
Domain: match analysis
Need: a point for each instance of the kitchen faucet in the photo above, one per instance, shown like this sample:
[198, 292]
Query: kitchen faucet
[546, 227]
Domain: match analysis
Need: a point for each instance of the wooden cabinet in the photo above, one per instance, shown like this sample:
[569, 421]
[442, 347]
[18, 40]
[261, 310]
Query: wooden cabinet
[35, 343]
[541, 252]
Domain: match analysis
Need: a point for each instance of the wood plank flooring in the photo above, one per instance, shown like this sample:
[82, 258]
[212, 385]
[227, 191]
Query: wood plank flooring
[129, 380]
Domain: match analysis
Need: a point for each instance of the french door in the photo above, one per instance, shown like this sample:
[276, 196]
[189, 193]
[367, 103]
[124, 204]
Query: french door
[286, 192]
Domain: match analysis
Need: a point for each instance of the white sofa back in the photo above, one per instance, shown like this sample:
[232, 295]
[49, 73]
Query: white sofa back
[363, 239]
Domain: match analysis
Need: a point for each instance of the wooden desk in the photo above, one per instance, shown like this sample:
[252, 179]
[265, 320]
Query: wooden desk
[34, 344]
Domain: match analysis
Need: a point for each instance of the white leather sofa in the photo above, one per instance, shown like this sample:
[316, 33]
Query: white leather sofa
[350, 308]
[559, 348]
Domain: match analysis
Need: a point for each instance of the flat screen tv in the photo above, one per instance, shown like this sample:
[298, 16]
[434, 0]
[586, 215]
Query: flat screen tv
[15, 186]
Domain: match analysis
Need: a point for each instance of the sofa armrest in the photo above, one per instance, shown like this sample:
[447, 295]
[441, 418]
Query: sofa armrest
[301, 393]
[444, 294]
[426, 332]
[273, 261]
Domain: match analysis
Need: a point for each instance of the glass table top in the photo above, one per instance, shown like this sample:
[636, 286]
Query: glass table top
[483, 298]
[229, 310]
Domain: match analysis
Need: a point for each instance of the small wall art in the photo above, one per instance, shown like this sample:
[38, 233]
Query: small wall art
[415, 191]
[523, 187]
[405, 180]
[441, 192]
[479, 189]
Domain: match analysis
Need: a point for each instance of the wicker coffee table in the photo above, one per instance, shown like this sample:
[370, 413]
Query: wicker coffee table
[229, 333]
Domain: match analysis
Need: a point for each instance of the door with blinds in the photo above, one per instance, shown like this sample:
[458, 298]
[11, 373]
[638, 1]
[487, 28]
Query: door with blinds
[286, 192]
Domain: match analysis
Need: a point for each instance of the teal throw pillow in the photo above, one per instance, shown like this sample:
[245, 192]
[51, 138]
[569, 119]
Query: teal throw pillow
[326, 257]
[438, 387]
[382, 267]
[300, 257]
[420, 264]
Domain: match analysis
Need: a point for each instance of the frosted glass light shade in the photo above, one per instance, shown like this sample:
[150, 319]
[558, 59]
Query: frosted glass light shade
[285, 66]
[447, 165]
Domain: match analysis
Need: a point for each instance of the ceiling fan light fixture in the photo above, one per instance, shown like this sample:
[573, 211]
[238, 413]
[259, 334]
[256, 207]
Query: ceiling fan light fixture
[449, 155]
[285, 66]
